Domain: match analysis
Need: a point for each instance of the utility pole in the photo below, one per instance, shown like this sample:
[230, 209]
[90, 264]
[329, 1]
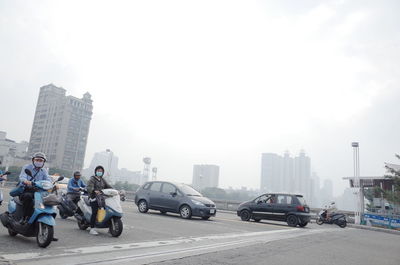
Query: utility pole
[357, 184]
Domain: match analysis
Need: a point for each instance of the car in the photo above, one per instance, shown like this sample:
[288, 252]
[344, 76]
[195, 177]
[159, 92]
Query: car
[175, 198]
[290, 208]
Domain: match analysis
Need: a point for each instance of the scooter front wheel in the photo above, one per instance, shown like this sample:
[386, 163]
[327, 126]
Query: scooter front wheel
[319, 221]
[12, 232]
[116, 227]
[44, 235]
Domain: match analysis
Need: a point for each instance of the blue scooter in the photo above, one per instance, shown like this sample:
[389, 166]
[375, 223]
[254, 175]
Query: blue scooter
[41, 223]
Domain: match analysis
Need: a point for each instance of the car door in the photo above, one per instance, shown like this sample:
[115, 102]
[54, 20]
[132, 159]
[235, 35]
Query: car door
[262, 207]
[155, 195]
[282, 206]
[169, 199]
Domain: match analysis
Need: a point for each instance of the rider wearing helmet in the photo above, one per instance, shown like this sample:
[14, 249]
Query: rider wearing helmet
[74, 186]
[38, 173]
[330, 209]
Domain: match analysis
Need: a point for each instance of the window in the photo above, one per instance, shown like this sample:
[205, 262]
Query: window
[155, 186]
[284, 199]
[146, 186]
[168, 188]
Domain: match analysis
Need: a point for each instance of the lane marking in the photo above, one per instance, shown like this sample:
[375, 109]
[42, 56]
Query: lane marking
[149, 244]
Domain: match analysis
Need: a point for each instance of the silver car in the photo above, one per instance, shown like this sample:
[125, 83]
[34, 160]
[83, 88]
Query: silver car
[175, 198]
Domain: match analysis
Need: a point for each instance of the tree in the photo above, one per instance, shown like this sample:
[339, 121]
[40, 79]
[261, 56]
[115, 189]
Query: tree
[393, 196]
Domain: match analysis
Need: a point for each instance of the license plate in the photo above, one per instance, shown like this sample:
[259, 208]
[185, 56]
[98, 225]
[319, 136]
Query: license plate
[212, 211]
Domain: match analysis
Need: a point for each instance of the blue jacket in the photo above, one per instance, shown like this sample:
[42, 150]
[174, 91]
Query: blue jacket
[38, 174]
[73, 184]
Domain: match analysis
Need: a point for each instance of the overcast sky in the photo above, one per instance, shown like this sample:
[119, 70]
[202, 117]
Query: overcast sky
[219, 82]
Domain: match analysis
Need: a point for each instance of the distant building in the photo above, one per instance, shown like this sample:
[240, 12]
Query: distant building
[287, 174]
[61, 127]
[205, 176]
[271, 172]
[11, 151]
[108, 161]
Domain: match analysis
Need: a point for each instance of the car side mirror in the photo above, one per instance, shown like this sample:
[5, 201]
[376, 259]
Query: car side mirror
[259, 202]
[28, 172]
[173, 194]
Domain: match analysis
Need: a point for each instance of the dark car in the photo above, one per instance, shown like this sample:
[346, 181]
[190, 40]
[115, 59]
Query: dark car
[175, 198]
[289, 208]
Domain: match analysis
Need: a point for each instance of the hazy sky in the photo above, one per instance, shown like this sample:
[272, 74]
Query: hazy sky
[219, 82]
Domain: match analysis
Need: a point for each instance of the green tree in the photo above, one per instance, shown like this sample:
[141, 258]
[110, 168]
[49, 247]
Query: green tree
[393, 196]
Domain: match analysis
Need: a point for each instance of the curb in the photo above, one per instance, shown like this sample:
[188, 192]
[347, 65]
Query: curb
[376, 229]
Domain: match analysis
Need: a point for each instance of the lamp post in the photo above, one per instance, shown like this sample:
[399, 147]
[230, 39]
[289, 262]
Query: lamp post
[357, 183]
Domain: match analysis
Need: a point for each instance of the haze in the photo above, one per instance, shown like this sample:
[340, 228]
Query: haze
[220, 82]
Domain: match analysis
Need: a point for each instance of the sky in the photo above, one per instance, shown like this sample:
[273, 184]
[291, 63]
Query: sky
[213, 82]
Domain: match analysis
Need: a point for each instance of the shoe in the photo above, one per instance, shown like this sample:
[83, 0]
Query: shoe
[93, 232]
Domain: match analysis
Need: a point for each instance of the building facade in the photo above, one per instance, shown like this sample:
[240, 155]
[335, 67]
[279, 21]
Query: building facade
[11, 151]
[61, 127]
[205, 176]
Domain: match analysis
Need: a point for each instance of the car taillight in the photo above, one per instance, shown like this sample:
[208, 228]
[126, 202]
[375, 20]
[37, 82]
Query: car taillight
[300, 208]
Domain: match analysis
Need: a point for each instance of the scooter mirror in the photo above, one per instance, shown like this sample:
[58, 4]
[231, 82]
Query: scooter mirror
[28, 172]
[60, 178]
[7, 173]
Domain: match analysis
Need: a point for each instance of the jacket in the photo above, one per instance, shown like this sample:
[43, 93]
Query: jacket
[73, 184]
[96, 183]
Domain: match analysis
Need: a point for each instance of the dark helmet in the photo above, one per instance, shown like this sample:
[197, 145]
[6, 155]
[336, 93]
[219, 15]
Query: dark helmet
[39, 155]
[77, 173]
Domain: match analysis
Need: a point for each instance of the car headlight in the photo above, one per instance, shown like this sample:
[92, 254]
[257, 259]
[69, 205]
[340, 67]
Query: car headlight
[198, 203]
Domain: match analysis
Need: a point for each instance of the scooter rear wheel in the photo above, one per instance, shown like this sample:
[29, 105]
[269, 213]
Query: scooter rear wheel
[12, 232]
[44, 235]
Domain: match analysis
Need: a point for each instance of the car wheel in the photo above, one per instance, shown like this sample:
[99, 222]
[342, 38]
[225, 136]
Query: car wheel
[303, 224]
[185, 212]
[292, 220]
[205, 217]
[257, 220]
[245, 215]
[142, 206]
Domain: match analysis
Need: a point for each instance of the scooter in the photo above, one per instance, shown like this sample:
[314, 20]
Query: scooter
[2, 184]
[67, 208]
[113, 213]
[336, 218]
[122, 195]
[41, 223]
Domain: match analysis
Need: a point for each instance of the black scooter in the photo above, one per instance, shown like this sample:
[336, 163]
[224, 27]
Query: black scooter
[336, 218]
[68, 208]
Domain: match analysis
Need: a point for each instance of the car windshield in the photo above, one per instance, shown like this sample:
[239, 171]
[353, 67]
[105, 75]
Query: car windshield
[189, 191]
[301, 200]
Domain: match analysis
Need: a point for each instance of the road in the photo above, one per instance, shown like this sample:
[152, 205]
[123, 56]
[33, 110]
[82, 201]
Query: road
[154, 238]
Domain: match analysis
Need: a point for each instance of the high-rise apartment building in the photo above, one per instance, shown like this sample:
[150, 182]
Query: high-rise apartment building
[271, 172]
[205, 176]
[61, 127]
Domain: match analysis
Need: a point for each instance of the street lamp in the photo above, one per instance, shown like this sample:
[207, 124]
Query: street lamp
[357, 183]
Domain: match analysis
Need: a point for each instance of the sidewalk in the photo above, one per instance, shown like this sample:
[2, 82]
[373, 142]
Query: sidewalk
[372, 228]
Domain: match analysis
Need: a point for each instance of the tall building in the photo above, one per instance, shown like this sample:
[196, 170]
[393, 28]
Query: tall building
[61, 127]
[288, 173]
[205, 176]
[108, 161]
[302, 174]
[271, 172]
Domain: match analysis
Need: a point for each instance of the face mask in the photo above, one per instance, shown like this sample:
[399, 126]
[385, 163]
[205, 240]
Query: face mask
[38, 164]
[99, 173]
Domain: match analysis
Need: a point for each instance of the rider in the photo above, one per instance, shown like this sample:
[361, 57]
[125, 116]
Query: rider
[94, 187]
[38, 173]
[74, 186]
[330, 209]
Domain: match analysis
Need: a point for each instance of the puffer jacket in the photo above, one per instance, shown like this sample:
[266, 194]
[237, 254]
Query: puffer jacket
[96, 183]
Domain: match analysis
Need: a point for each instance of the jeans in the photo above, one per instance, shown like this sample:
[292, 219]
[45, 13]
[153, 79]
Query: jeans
[95, 207]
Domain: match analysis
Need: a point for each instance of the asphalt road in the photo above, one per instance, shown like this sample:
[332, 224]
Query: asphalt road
[168, 239]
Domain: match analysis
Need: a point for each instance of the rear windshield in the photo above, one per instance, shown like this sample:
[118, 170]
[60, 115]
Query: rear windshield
[301, 200]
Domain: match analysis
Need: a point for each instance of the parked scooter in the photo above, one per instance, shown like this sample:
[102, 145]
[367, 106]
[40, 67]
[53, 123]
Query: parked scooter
[41, 223]
[68, 208]
[336, 218]
[2, 179]
[113, 213]
[122, 195]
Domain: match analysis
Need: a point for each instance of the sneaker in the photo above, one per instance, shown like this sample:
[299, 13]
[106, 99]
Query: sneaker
[93, 231]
